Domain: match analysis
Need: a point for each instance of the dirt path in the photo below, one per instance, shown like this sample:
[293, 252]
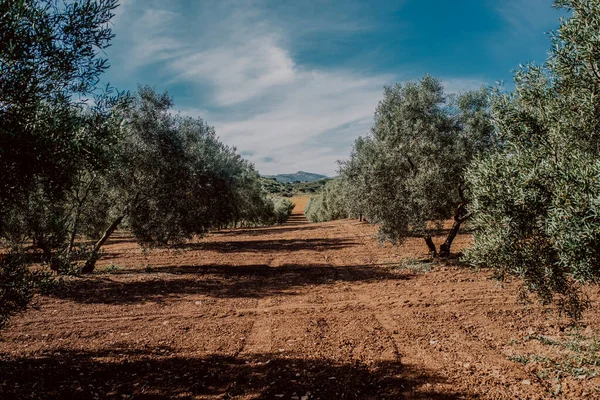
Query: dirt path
[298, 311]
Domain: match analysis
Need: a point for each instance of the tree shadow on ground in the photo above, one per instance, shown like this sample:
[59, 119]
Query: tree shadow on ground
[263, 246]
[296, 219]
[220, 281]
[161, 374]
[268, 231]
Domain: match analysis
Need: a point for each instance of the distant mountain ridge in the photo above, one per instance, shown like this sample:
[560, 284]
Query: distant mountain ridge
[299, 176]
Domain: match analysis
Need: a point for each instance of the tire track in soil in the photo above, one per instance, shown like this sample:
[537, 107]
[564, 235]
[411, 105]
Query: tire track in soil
[260, 337]
[329, 319]
[417, 355]
[414, 356]
[385, 321]
[262, 307]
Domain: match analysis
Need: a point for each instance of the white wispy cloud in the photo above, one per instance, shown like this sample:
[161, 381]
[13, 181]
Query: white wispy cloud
[237, 72]
[302, 106]
[529, 19]
[237, 63]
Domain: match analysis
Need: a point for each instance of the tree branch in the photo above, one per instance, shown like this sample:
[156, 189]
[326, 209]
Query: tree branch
[412, 166]
[594, 70]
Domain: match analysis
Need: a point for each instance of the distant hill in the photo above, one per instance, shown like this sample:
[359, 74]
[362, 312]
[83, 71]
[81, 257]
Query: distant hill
[299, 176]
[291, 189]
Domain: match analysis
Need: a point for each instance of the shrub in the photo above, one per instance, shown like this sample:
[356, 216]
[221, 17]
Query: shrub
[283, 209]
[16, 286]
[328, 205]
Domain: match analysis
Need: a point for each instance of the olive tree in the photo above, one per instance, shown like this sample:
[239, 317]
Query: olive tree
[408, 175]
[50, 61]
[252, 205]
[537, 202]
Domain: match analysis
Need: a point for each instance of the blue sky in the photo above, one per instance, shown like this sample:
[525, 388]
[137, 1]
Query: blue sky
[292, 84]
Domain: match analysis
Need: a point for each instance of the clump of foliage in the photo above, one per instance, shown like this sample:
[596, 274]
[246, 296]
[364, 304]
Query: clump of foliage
[408, 175]
[537, 202]
[314, 209]
[415, 265]
[49, 54]
[330, 204]
[16, 284]
[282, 209]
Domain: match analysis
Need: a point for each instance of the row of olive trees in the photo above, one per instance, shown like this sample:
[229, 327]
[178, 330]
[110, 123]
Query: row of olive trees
[167, 177]
[72, 174]
[523, 166]
[170, 179]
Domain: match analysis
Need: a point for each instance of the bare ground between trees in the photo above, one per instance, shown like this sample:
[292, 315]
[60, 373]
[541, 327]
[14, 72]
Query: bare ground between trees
[299, 311]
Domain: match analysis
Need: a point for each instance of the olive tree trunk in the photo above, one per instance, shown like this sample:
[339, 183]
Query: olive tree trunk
[460, 216]
[430, 245]
[80, 202]
[90, 264]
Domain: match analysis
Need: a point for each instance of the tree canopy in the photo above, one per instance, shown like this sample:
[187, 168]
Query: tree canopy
[536, 203]
[408, 174]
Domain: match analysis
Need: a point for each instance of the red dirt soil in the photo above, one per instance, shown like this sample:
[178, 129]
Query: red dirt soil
[298, 311]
